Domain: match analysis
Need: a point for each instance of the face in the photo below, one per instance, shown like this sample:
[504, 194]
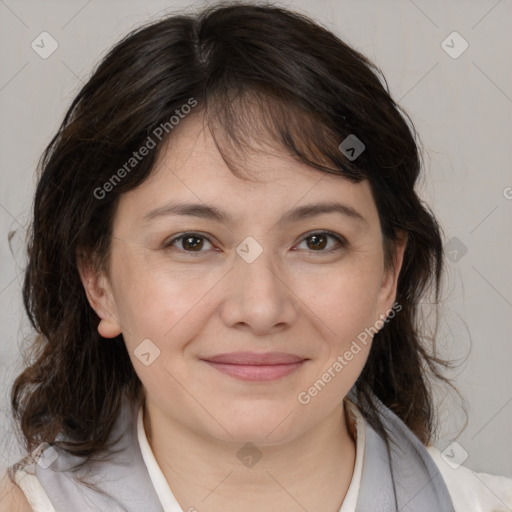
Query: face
[235, 310]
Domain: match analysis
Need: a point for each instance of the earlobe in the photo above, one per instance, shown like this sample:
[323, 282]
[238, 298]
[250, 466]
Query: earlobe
[109, 328]
[99, 294]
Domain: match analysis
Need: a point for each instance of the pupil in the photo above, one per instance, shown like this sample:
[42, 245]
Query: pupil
[316, 237]
[188, 245]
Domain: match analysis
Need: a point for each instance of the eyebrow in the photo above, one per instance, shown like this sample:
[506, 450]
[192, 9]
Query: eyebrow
[208, 212]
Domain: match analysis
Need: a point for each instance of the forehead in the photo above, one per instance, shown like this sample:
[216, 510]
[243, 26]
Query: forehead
[191, 168]
[193, 150]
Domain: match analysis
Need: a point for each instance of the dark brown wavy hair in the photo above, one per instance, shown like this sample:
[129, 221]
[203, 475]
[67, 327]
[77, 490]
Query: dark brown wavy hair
[257, 72]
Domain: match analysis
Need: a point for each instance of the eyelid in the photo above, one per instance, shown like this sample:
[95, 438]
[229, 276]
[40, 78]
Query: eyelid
[168, 242]
[342, 241]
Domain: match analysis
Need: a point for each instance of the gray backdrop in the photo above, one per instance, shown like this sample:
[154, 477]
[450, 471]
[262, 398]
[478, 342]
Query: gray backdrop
[460, 99]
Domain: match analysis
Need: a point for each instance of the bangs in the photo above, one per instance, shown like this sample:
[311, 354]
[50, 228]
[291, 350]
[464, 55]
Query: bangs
[244, 121]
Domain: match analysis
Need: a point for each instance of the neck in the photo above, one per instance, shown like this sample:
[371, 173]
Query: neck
[310, 472]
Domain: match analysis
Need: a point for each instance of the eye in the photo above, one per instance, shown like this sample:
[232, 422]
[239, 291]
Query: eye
[190, 242]
[319, 240]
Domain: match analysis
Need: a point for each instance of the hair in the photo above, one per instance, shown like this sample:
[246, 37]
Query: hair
[256, 73]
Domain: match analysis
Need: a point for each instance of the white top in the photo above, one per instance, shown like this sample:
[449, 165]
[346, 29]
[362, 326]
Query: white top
[469, 491]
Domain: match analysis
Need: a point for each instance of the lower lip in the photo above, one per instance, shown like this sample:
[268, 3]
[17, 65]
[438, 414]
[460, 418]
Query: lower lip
[257, 373]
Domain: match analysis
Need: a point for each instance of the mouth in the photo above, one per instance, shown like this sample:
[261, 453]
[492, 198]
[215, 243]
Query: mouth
[251, 366]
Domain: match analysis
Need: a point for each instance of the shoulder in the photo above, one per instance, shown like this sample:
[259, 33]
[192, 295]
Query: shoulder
[12, 498]
[472, 491]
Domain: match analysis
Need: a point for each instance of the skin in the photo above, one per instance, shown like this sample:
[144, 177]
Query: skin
[295, 297]
[12, 498]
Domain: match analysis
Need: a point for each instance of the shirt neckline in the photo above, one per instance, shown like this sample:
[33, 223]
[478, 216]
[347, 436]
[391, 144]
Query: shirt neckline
[168, 500]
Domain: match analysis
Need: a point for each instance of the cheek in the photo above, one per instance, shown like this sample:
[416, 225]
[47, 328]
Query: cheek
[168, 308]
[344, 301]
[142, 289]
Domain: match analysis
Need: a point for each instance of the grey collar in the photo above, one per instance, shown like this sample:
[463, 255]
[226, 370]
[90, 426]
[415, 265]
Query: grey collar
[397, 476]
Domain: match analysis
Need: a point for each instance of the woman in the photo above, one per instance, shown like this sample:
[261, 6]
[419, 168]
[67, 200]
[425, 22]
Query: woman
[226, 262]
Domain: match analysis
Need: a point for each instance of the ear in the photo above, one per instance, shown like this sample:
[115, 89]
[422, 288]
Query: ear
[99, 294]
[387, 292]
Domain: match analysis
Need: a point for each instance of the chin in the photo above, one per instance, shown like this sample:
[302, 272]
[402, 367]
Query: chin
[262, 422]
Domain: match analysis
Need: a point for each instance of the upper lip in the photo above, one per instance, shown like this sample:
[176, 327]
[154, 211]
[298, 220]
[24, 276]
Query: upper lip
[253, 358]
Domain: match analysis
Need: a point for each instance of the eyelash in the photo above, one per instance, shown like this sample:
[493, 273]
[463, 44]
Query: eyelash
[340, 239]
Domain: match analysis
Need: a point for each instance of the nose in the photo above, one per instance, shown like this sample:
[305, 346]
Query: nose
[259, 297]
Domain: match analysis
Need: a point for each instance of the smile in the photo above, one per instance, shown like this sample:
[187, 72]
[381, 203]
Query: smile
[249, 366]
[257, 372]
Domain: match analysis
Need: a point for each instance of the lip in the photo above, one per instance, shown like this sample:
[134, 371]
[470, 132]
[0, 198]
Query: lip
[251, 366]
[255, 358]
